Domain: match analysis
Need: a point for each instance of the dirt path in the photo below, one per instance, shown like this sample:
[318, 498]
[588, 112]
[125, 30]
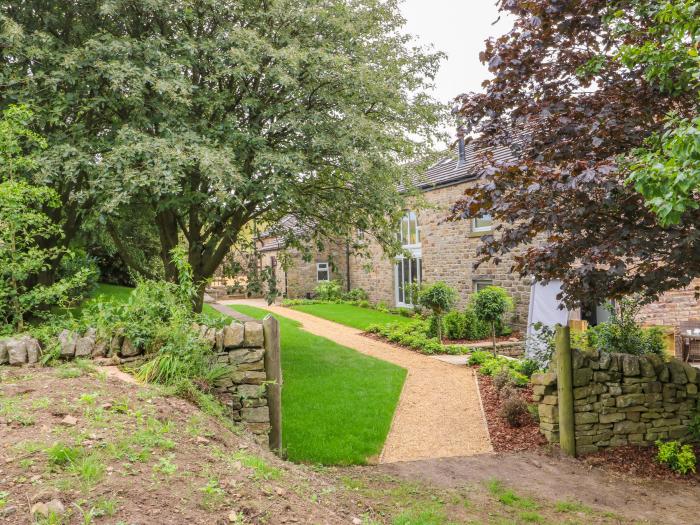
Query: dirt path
[439, 413]
[562, 479]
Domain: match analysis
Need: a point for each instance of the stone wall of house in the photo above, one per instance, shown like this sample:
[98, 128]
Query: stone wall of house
[240, 345]
[449, 251]
[674, 307]
[300, 278]
[621, 399]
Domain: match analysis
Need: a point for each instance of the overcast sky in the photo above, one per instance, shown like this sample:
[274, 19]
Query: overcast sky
[458, 28]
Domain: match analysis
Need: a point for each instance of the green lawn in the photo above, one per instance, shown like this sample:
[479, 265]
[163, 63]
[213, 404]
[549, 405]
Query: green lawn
[350, 315]
[113, 292]
[337, 404]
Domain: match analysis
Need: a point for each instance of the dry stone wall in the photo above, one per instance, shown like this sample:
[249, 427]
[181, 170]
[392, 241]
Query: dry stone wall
[621, 399]
[240, 345]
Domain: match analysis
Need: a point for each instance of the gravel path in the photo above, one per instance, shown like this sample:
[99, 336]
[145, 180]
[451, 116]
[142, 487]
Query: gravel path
[439, 413]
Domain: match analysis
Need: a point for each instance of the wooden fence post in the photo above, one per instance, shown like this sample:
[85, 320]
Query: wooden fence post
[565, 390]
[273, 369]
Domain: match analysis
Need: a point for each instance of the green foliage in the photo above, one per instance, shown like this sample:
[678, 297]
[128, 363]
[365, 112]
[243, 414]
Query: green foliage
[75, 261]
[679, 458]
[27, 232]
[356, 295]
[623, 333]
[191, 131]
[490, 305]
[438, 297]
[416, 336]
[455, 325]
[328, 291]
[666, 170]
[518, 370]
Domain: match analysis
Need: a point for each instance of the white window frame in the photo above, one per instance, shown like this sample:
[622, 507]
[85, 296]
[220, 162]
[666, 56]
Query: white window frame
[323, 267]
[487, 228]
[409, 222]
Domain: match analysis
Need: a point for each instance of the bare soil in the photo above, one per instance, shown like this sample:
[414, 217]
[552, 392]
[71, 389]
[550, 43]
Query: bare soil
[504, 437]
[161, 460]
[553, 478]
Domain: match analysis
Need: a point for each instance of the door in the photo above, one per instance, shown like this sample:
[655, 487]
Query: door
[407, 270]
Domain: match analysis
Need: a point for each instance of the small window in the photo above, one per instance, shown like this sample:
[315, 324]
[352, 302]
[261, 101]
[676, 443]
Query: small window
[481, 284]
[483, 223]
[322, 272]
[273, 261]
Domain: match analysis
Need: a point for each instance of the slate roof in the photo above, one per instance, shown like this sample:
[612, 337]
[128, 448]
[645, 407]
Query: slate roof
[450, 170]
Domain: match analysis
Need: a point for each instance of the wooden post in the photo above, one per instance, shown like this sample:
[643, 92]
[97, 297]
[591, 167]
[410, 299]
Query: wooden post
[565, 390]
[273, 369]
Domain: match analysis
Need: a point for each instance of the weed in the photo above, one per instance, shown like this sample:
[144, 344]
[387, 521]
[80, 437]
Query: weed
[60, 455]
[26, 463]
[3, 499]
[88, 399]
[89, 469]
[105, 507]
[41, 404]
[165, 465]
[213, 495]
[571, 506]
[531, 517]
[261, 468]
[510, 498]
[433, 515]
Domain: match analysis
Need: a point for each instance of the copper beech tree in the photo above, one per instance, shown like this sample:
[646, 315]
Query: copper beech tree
[574, 100]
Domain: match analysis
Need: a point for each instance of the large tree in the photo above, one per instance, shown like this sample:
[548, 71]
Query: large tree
[573, 105]
[210, 114]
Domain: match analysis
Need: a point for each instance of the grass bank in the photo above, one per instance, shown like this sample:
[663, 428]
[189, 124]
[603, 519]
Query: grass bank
[337, 404]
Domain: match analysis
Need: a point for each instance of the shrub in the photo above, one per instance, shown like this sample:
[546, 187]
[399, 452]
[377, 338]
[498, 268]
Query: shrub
[356, 294]
[439, 298]
[490, 304]
[455, 325]
[623, 333]
[474, 328]
[513, 410]
[679, 458]
[479, 357]
[75, 262]
[502, 379]
[328, 291]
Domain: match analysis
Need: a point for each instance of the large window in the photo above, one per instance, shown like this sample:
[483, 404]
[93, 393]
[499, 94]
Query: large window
[409, 265]
[323, 273]
[483, 223]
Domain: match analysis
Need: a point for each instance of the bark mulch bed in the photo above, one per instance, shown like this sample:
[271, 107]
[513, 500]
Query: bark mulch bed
[504, 437]
[639, 462]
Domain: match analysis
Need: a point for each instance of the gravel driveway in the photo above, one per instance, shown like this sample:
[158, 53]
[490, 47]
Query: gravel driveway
[439, 413]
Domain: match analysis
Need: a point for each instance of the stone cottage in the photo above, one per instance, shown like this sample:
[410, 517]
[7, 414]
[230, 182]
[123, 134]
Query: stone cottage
[439, 251]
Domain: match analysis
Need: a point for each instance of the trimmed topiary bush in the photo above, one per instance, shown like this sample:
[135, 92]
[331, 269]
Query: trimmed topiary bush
[439, 298]
[490, 305]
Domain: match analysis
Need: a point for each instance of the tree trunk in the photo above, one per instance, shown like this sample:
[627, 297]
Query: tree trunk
[167, 231]
[493, 337]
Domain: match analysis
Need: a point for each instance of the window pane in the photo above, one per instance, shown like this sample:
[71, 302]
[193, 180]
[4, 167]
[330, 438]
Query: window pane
[399, 278]
[483, 223]
[412, 224]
